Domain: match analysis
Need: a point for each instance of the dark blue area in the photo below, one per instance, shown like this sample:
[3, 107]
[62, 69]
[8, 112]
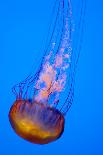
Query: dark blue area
[23, 25]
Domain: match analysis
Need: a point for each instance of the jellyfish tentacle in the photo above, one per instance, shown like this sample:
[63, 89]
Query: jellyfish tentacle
[67, 104]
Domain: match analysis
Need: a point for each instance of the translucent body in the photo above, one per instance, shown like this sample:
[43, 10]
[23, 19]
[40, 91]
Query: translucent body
[51, 87]
[36, 122]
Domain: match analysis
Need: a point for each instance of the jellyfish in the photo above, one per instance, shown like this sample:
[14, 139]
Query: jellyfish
[44, 97]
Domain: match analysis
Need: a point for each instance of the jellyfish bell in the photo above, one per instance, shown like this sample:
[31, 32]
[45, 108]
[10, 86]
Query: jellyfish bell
[36, 122]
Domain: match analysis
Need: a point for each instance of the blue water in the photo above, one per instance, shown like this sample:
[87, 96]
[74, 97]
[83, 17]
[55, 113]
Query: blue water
[23, 24]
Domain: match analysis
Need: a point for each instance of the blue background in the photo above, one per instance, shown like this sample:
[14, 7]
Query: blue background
[23, 24]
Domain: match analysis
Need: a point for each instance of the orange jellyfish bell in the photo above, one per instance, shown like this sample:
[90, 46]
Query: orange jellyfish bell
[36, 122]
